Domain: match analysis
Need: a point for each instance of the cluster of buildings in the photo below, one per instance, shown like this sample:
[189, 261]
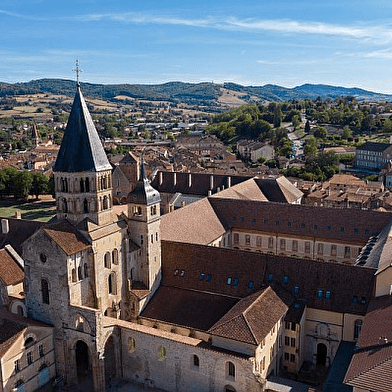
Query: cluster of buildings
[244, 289]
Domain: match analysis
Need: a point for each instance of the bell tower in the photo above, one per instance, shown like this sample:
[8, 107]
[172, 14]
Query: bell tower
[144, 227]
[82, 172]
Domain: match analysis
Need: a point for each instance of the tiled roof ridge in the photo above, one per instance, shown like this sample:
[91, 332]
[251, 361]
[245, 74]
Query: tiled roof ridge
[229, 321]
[374, 366]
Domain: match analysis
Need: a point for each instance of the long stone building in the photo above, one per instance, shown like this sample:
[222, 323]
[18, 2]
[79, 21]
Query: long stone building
[221, 295]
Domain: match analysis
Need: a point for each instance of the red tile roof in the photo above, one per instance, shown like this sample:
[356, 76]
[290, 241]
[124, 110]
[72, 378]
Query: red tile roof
[11, 272]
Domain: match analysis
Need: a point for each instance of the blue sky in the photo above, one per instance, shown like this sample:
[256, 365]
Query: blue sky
[251, 42]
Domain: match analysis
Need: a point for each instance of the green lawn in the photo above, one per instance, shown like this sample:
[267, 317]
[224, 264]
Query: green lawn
[41, 210]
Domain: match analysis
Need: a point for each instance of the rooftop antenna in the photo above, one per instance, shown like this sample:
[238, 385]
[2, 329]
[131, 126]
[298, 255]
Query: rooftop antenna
[77, 70]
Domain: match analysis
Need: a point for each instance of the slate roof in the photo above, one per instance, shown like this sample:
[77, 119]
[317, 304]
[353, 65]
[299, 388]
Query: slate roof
[144, 193]
[255, 271]
[66, 237]
[373, 146]
[300, 220]
[19, 231]
[194, 309]
[371, 365]
[81, 149]
[200, 182]
[252, 318]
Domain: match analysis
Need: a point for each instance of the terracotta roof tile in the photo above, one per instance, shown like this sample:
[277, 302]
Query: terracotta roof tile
[66, 237]
[252, 318]
[11, 272]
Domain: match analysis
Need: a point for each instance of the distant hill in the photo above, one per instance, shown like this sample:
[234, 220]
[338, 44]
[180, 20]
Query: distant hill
[203, 94]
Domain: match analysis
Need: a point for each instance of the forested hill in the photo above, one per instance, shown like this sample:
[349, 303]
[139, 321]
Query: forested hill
[205, 94]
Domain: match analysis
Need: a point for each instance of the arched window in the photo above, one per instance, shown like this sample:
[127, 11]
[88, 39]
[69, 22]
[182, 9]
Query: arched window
[112, 286]
[230, 369]
[154, 210]
[105, 203]
[45, 291]
[85, 270]
[73, 275]
[29, 342]
[19, 311]
[85, 205]
[87, 185]
[115, 256]
[131, 345]
[80, 273]
[196, 361]
[162, 352]
[65, 205]
[139, 210]
[107, 260]
[81, 185]
[357, 328]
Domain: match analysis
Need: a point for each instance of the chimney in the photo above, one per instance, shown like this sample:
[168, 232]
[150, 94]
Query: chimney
[209, 193]
[189, 180]
[218, 189]
[18, 214]
[228, 182]
[160, 178]
[183, 203]
[382, 340]
[211, 182]
[5, 228]
[174, 178]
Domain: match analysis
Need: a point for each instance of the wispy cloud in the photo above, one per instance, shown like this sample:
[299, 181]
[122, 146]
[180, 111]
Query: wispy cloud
[379, 33]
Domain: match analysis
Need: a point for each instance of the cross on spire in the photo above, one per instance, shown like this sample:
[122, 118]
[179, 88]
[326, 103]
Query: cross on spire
[77, 70]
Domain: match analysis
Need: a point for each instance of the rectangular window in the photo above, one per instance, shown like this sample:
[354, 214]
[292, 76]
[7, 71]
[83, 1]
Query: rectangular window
[292, 357]
[347, 252]
[247, 239]
[29, 358]
[286, 341]
[236, 238]
[229, 280]
[41, 350]
[334, 250]
[270, 242]
[282, 244]
[287, 324]
[293, 326]
[286, 356]
[263, 363]
[320, 249]
[292, 341]
[307, 247]
[258, 241]
[294, 246]
[16, 366]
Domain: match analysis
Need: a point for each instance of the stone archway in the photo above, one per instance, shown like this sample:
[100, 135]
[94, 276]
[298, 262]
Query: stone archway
[110, 361]
[321, 354]
[83, 360]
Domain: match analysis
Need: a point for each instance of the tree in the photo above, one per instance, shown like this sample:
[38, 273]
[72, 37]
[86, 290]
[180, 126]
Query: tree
[40, 185]
[311, 146]
[296, 121]
[320, 133]
[347, 133]
[307, 126]
[22, 184]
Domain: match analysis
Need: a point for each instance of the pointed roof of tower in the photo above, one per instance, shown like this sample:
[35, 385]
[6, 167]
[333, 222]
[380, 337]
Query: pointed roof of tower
[144, 193]
[81, 150]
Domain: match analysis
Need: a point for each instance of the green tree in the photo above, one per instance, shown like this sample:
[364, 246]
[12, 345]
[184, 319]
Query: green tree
[40, 185]
[311, 146]
[23, 184]
[296, 121]
[347, 133]
[307, 126]
[320, 133]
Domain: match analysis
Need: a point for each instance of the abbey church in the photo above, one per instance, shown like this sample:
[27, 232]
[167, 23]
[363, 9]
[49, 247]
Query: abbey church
[226, 294]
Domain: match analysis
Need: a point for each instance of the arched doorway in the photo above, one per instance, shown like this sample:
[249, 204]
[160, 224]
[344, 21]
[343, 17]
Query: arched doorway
[321, 354]
[82, 362]
[110, 361]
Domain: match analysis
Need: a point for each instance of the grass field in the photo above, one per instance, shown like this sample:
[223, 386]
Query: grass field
[41, 210]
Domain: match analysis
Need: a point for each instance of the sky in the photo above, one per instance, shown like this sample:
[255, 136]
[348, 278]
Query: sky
[251, 42]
